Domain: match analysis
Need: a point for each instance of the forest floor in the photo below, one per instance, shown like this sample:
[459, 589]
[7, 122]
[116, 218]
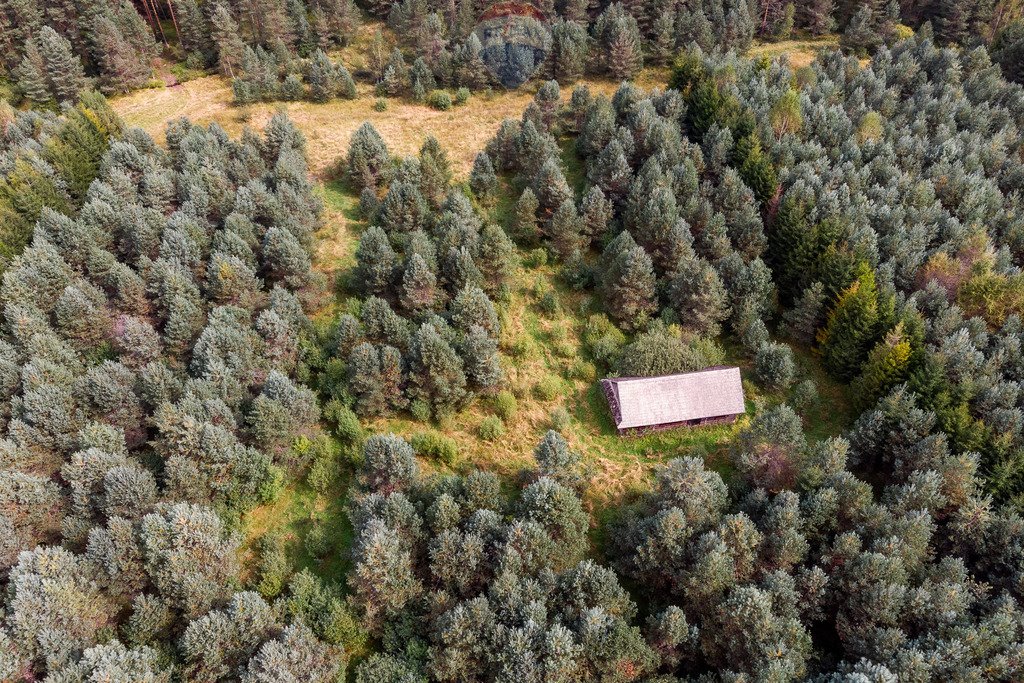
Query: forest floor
[543, 353]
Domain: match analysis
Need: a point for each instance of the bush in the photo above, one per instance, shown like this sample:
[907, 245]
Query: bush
[549, 303]
[506, 405]
[774, 365]
[582, 369]
[343, 422]
[491, 428]
[602, 338]
[436, 447]
[548, 388]
[317, 540]
[380, 104]
[560, 419]
[440, 100]
[420, 410]
[462, 95]
[536, 258]
[805, 394]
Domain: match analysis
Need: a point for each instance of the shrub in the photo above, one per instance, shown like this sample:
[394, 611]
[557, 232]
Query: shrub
[582, 369]
[273, 568]
[536, 258]
[322, 475]
[560, 419]
[317, 540]
[420, 410]
[380, 104]
[805, 394]
[506, 405]
[434, 446]
[440, 100]
[343, 421]
[491, 428]
[548, 388]
[549, 303]
[774, 365]
[462, 95]
[602, 338]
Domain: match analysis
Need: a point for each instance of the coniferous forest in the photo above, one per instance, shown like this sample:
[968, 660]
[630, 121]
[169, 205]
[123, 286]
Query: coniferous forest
[265, 420]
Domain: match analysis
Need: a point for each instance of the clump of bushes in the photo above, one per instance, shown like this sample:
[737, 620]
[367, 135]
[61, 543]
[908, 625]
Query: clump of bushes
[491, 428]
[435, 446]
[506, 405]
[439, 99]
[548, 388]
[560, 419]
[462, 95]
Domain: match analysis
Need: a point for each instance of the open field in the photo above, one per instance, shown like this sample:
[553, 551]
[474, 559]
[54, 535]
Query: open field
[462, 130]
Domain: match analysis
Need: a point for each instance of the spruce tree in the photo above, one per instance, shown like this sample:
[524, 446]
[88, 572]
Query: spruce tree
[852, 326]
[436, 373]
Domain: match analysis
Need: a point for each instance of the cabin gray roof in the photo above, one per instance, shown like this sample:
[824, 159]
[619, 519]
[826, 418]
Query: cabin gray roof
[651, 401]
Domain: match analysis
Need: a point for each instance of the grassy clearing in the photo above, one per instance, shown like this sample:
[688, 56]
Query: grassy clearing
[462, 130]
[799, 52]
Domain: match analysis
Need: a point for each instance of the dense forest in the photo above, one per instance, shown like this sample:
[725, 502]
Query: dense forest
[280, 50]
[176, 368]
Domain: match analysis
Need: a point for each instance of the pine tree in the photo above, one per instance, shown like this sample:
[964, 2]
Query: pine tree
[525, 227]
[860, 36]
[629, 283]
[496, 258]
[63, 67]
[597, 212]
[551, 187]
[367, 157]
[569, 51]
[419, 286]
[375, 262]
[322, 78]
[435, 171]
[611, 172]
[624, 49]
[698, 296]
[482, 179]
[31, 75]
[122, 67]
[566, 230]
[195, 35]
[808, 310]
[227, 39]
[815, 16]
[436, 374]
[480, 356]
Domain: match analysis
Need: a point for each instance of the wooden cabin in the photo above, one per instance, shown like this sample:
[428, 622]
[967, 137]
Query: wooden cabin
[643, 404]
